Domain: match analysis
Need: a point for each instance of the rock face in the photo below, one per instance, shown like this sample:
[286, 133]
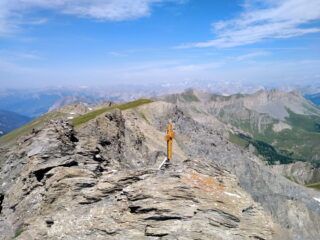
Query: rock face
[299, 172]
[100, 181]
[276, 104]
[295, 207]
[75, 100]
[77, 109]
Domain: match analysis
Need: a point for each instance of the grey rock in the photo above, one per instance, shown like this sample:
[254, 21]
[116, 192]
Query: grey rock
[295, 207]
[299, 172]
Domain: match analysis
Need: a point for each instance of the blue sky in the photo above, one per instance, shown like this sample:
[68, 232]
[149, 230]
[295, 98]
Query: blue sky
[106, 42]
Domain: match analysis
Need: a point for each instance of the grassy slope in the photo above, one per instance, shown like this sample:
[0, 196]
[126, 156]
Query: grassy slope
[238, 140]
[91, 115]
[309, 123]
[303, 144]
[303, 140]
[314, 185]
[267, 151]
[299, 143]
[28, 127]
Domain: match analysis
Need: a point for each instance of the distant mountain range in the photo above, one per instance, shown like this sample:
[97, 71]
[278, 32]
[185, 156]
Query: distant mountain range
[34, 103]
[282, 126]
[10, 121]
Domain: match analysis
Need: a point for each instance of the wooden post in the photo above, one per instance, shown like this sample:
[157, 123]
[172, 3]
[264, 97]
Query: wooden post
[169, 138]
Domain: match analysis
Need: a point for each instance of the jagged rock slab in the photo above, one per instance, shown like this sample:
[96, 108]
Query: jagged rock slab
[295, 207]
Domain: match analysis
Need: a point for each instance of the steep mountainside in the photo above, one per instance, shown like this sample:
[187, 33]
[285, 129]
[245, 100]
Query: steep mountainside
[299, 172]
[283, 127]
[97, 178]
[10, 121]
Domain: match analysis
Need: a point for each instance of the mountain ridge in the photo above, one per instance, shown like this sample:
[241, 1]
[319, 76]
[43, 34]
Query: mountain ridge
[276, 118]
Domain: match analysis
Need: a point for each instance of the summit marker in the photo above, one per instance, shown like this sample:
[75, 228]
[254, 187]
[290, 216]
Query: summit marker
[169, 138]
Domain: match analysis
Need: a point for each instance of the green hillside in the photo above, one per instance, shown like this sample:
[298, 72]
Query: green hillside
[91, 115]
[310, 123]
[314, 185]
[300, 143]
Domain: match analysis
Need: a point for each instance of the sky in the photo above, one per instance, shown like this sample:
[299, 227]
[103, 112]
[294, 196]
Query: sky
[108, 42]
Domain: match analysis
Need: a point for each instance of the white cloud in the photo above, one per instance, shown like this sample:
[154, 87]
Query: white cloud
[197, 67]
[13, 13]
[171, 66]
[12, 56]
[252, 55]
[265, 19]
[117, 54]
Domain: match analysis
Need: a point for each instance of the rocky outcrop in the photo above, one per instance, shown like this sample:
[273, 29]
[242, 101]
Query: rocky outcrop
[295, 207]
[77, 109]
[299, 172]
[73, 101]
[100, 181]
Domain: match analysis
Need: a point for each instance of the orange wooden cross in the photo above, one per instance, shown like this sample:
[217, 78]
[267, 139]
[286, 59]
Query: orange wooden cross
[169, 138]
